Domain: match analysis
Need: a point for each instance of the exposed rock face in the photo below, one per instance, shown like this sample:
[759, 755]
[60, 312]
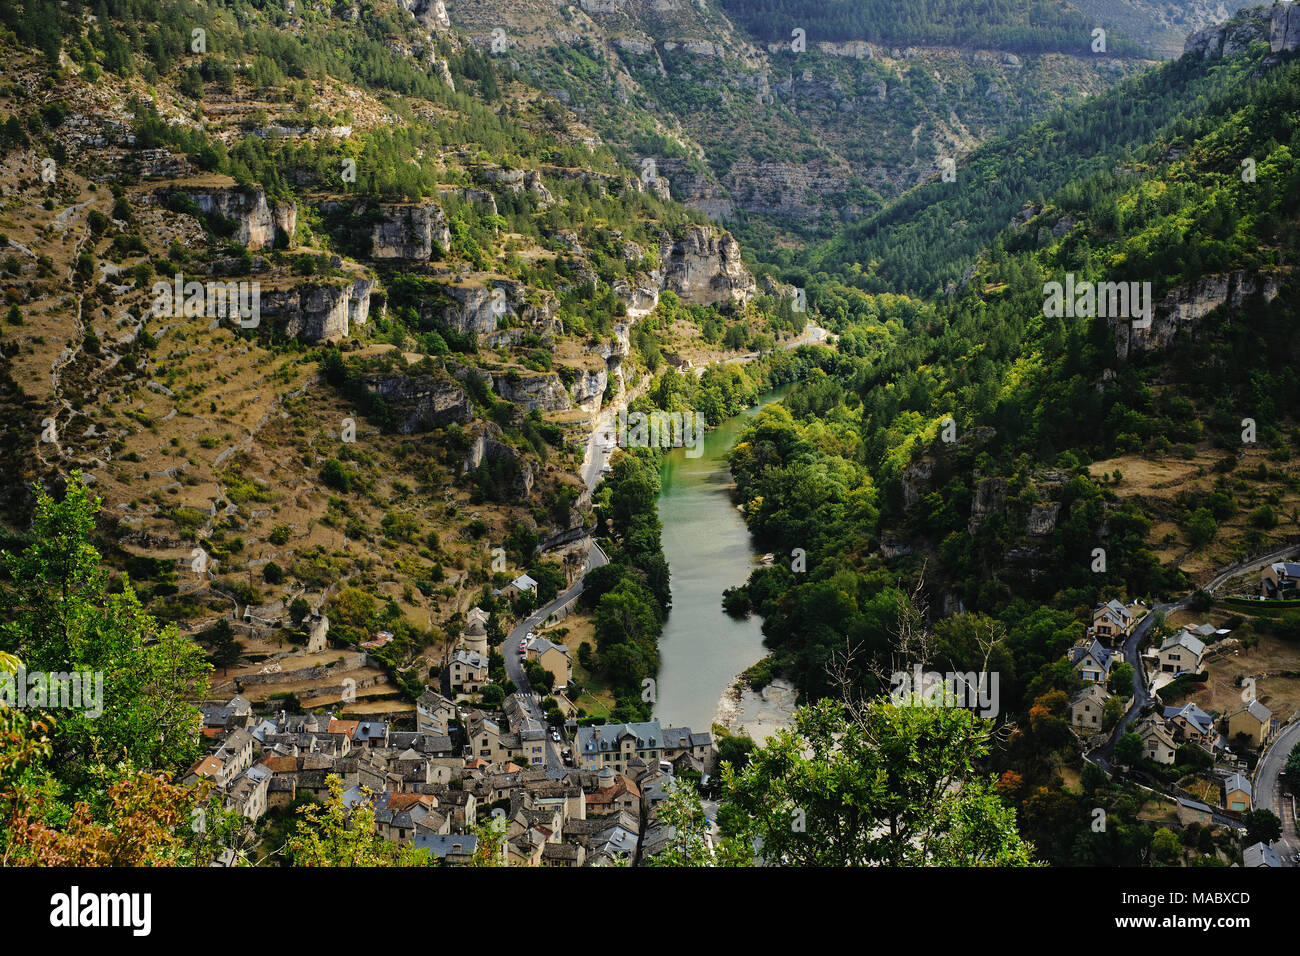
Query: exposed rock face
[1188, 304]
[990, 498]
[916, 476]
[1284, 29]
[286, 220]
[486, 448]
[544, 392]
[1249, 26]
[317, 313]
[409, 232]
[1042, 518]
[640, 297]
[704, 268]
[421, 402]
[246, 206]
[431, 14]
[615, 351]
[857, 49]
[476, 310]
[894, 546]
[547, 392]
[518, 181]
[588, 387]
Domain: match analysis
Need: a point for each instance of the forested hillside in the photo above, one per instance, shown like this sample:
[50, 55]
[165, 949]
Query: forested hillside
[982, 445]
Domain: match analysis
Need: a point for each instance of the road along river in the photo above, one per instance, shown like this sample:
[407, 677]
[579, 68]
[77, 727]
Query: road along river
[708, 550]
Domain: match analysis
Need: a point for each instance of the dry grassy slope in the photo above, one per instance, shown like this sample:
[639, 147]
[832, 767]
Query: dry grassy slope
[212, 424]
[1155, 484]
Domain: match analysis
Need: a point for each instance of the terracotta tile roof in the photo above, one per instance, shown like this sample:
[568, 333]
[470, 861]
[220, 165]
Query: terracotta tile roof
[348, 727]
[622, 785]
[207, 767]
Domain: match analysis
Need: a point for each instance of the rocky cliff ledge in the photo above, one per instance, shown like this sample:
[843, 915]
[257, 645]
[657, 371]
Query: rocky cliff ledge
[1280, 26]
[421, 402]
[318, 313]
[1185, 306]
[255, 221]
[409, 232]
[704, 267]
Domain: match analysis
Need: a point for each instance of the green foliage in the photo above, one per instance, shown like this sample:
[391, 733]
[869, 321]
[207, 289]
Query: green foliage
[59, 615]
[896, 786]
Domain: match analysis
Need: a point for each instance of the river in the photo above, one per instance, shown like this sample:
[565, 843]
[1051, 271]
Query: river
[708, 550]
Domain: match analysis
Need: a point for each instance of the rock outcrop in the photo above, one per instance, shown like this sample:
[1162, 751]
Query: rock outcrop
[916, 478]
[1247, 27]
[1185, 306]
[1042, 518]
[318, 312]
[704, 268]
[529, 391]
[1284, 28]
[486, 448]
[640, 296]
[255, 222]
[588, 387]
[421, 402]
[518, 181]
[430, 14]
[547, 392]
[409, 232]
[475, 310]
[990, 498]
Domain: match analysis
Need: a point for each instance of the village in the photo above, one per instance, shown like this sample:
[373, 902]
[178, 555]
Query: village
[1200, 765]
[464, 765]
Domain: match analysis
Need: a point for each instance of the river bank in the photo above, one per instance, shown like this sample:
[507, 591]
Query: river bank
[756, 714]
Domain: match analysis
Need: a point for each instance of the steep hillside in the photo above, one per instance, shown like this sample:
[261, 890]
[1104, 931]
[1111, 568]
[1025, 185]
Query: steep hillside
[983, 466]
[796, 135]
[1162, 25]
[326, 316]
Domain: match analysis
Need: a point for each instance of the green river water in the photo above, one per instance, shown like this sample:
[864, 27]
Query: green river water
[708, 550]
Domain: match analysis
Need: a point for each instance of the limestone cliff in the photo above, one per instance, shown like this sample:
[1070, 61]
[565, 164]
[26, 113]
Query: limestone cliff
[421, 402]
[704, 268]
[255, 222]
[409, 232]
[318, 312]
[1280, 26]
[1184, 307]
